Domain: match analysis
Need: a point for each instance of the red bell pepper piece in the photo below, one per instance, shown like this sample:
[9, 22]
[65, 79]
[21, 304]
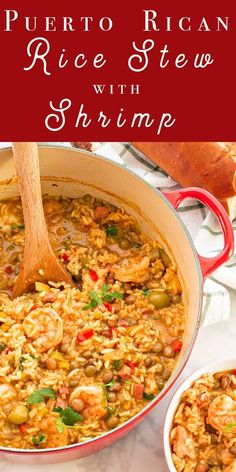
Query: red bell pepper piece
[176, 345]
[108, 306]
[93, 275]
[88, 333]
[65, 257]
[131, 364]
[22, 428]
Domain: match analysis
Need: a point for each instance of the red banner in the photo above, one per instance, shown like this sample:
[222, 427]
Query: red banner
[120, 71]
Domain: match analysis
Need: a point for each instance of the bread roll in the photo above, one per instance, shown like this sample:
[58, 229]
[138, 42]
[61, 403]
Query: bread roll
[209, 165]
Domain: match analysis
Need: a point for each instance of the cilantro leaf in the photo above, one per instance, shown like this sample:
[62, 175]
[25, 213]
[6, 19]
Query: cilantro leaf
[38, 395]
[146, 293]
[67, 417]
[2, 346]
[97, 298]
[148, 396]
[111, 230]
[20, 226]
[110, 384]
[109, 296]
[60, 425]
[229, 427]
[39, 439]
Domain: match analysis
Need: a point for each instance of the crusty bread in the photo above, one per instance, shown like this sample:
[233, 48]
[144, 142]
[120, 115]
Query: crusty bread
[209, 165]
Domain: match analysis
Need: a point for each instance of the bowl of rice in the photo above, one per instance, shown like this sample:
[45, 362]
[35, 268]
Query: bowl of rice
[200, 424]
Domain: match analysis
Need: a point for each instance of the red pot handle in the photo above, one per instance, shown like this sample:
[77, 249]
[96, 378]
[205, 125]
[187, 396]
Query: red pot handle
[208, 265]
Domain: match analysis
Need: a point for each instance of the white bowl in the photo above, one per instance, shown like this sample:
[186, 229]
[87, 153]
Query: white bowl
[213, 367]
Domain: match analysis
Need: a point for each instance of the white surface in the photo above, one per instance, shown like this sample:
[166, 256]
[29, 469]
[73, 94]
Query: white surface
[142, 449]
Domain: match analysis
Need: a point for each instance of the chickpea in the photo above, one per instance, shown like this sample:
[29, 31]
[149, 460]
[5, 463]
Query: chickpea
[87, 354]
[73, 382]
[112, 422]
[111, 323]
[157, 348]
[51, 364]
[19, 414]
[232, 450]
[124, 244]
[130, 299]
[168, 352]
[201, 468]
[75, 364]
[107, 377]
[176, 299]
[65, 347]
[78, 404]
[111, 397]
[49, 298]
[90, 371]
[148, 362]
[225, 382]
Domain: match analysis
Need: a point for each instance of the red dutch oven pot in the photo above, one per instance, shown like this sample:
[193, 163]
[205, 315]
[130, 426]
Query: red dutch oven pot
[71, 173]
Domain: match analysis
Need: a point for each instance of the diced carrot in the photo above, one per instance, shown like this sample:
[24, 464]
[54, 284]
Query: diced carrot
[125, 372]
[100, 212]
[138, 391]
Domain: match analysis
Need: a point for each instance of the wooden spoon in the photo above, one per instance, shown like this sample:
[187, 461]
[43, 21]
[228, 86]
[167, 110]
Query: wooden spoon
[39, 260]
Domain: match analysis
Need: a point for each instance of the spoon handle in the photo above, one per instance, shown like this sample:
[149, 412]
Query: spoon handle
[28, 173]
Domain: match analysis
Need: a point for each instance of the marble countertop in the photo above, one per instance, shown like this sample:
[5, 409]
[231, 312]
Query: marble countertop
[142, 449]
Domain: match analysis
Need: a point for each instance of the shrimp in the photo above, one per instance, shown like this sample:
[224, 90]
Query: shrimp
[135, 271]
[182, 444]
[54, 438]
[7, 393]
[222, 412]
[94, 399]
[45, 327]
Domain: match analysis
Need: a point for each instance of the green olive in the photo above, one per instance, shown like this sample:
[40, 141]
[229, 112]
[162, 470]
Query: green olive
[159, 299]
[90, 371]
[165, 258]
[19, 414]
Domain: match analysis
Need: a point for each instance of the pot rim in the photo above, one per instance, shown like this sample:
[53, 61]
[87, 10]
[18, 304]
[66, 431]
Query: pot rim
[211, 367]
[173, 379]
